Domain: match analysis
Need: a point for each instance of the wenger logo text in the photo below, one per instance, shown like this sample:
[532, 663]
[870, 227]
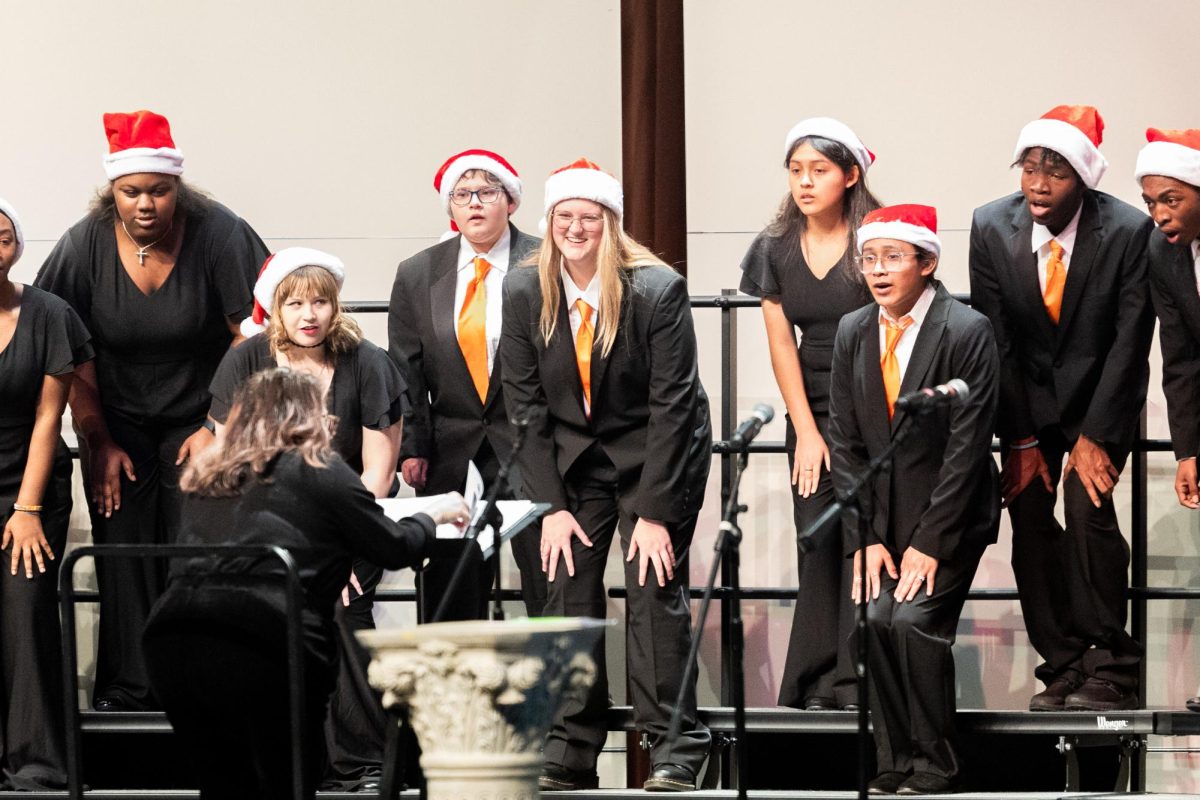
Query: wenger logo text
[1106, 724]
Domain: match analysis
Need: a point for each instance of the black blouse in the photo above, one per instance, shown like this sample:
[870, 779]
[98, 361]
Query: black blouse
[156, 353]
[49, 339]
[367, 390]
[323, 516]
[814, 305]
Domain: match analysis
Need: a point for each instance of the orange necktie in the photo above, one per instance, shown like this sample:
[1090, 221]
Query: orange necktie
[891, 364]
[472, 328]
[1056, 279]
[583, 350]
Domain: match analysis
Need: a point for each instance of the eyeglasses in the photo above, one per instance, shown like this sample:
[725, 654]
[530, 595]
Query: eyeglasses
[892, 262]
[589, 222]
[487, 195]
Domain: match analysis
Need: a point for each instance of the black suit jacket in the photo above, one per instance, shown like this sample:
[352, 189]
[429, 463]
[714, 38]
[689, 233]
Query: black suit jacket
[942, 492]
[1173, 288]
[649, 410]
[447, 423]
[1089, 373]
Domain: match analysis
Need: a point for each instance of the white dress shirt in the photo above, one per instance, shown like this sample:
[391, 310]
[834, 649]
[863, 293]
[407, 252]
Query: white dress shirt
[590, 294]
[1196, 262]
[493, 287]
[908, 339]
[1041, 245]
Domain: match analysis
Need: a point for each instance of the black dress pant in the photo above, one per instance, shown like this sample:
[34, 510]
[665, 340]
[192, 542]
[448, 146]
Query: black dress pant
[910, 669]
[820, 657]
[32, 740]
[355, 726]
[149, 514]
[658, 635]
[1072, 581]
[226, 696]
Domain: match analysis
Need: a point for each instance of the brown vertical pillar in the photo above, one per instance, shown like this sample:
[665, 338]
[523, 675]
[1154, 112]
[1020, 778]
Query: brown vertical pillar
[652, 132]
[654, 177]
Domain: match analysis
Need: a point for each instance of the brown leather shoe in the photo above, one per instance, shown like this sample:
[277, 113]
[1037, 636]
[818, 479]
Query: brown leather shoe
[1097, 694]
[1053, 697]
[670, 778]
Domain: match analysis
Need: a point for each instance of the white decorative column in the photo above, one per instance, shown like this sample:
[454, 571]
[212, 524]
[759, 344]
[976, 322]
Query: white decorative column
[482, 695]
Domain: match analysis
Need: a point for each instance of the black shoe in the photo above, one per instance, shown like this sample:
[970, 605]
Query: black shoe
[1053, 696]
[1193, 704]
[927, 783]
[820, 704]
[113, 703]
[1097, 694]
[560, 779]
[670, 778]
[886, 783]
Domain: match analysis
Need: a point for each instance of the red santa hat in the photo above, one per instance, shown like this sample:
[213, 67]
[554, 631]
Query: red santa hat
[7, 210]
[910, 223]
[1075, 133]
[1173, 153]
[277, 267]
[829, 128]
[460, 163]
[584, 180]
[140, 142]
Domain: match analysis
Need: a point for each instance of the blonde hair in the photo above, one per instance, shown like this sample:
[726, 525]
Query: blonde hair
[278, 410]
[618, 251]
[311, 281]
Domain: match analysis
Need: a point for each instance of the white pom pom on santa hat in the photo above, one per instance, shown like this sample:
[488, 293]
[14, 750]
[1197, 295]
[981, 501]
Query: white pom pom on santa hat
[1075, 133]
[1172, 153]
[277, 267]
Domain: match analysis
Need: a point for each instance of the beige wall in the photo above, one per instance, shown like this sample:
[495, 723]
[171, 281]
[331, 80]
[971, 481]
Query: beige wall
[939, 91]
[323, 123]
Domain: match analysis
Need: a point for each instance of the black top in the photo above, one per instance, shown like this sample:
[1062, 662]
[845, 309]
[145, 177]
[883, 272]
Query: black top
[323, 516]
[815, 305]
[367, 390]
[49, 340]
[156, 353]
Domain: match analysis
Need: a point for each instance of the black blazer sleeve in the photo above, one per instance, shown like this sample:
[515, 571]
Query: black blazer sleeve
[1114, 403]
[1015, 421]
[849, 456]
[524, 394]
[976, 361]
[1180, 363]
[674, 383]
[406, 350]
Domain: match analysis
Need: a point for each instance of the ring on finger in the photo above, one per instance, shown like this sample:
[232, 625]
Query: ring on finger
[920, 579]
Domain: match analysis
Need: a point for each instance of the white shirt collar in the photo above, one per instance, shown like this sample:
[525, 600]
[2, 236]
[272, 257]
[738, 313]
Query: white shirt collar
[918, 312]
[1066, 237]
[497, 256]
[590, 294]
[1196, 250]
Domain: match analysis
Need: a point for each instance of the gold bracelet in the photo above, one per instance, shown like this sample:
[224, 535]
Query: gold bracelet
[27, 509]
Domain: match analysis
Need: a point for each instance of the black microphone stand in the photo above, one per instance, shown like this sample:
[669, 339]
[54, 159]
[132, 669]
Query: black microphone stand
[729, 537]
[489, 515]
[861, 511]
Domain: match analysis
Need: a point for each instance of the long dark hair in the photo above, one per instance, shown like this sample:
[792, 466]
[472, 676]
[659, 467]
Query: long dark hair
[189, 202]
[275, 411]
[789, 224]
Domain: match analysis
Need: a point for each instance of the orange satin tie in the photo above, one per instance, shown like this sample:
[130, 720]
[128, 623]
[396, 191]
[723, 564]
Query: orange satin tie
[472, 328]
[891, 364]
[1056, 279]
[583, 350]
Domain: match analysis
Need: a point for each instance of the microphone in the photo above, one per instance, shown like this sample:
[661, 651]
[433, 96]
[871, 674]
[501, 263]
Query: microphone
[751, 426]
[950, 393]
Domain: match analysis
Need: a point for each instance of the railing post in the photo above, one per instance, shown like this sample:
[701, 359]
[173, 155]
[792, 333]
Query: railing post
[729, 398]
[1139, 535]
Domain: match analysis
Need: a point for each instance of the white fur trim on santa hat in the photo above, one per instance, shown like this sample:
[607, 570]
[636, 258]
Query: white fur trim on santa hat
[511, 183]
[278, 267]
[916, 235]
[1173, 160]
[1069, 142]
[585, 184]
[830, 128]
[7, 210]
[163, 160]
